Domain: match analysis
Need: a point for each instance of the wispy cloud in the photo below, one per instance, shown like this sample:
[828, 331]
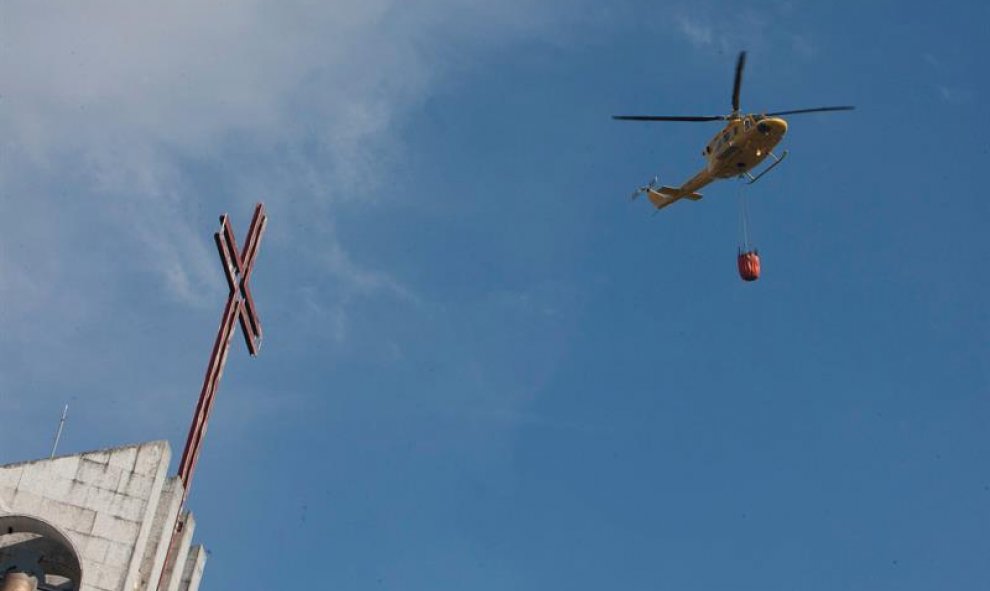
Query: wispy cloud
[708, 26]
[513, 418]
[954, 95]
[114, 114]
[350, 282]
[803, 46]
[127, 127]
[951, 93]
[699, 34]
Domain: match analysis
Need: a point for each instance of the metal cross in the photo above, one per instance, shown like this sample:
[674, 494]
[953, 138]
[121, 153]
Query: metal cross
[237, 267]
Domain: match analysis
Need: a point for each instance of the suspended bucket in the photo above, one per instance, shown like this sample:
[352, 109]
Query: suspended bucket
[749, 264]
[748, 257]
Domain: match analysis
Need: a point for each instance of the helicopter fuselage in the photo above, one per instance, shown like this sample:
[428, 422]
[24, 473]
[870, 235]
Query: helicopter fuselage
[738, 148]
[743, 144]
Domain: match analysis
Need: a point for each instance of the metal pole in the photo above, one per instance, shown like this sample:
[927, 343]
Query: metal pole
[58, 434]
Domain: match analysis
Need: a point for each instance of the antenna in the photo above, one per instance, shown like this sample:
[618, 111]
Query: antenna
[58, 434]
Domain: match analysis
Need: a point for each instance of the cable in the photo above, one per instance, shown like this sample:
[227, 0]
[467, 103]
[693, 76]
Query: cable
[743, 218]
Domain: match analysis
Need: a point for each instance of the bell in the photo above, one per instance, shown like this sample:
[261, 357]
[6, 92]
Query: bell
[18, 582]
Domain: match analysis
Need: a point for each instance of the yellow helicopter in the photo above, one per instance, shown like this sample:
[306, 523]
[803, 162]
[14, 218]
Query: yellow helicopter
[745, 142]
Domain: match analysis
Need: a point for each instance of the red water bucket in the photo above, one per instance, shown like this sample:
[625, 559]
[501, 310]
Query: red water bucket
[749, 265]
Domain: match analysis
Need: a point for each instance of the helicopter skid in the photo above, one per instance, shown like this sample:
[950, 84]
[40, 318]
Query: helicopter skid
[776, 161]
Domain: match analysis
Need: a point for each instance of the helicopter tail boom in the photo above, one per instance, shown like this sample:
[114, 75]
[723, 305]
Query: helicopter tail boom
[664, 196]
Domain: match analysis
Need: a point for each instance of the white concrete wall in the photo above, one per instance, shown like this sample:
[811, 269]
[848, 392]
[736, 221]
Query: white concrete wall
[116, 506]
[193, 573]
[160, 536]
[180, 552]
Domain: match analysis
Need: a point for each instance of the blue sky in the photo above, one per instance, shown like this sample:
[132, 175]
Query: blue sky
[484, 367]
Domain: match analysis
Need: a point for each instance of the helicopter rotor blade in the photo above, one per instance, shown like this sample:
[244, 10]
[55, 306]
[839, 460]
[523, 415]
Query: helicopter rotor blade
[814, 110]
[740, 65]
[667, 118]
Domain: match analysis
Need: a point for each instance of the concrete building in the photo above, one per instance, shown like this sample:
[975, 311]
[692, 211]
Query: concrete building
[96, 521]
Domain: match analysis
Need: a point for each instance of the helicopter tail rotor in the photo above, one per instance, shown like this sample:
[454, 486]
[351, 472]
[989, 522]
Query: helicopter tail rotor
[650, 186]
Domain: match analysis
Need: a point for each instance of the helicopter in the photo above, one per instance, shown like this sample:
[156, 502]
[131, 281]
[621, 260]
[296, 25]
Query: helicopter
[745, 142]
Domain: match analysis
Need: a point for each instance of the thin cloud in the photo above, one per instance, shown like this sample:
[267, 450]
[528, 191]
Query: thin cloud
[699, 34]
[127, 127]
[954, 95]
[709, 27]
[353, 282]
[803, 46]
[124, 107]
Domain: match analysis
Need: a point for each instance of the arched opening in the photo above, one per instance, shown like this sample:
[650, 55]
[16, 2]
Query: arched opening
[35, 554]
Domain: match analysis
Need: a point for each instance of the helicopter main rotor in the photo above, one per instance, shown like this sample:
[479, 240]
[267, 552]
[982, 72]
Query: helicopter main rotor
[736, 86]
[737, 83]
